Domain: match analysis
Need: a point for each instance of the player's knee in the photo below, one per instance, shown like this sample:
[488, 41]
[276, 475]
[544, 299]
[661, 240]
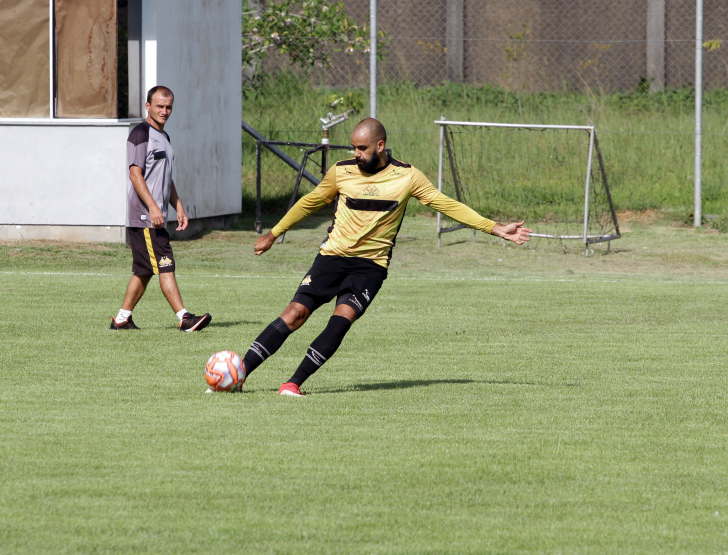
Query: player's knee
[347, 311]
[350, 306]
[295, 315]
[144, 278]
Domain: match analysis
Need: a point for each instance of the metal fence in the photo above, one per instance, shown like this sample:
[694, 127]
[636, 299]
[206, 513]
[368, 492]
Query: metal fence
[560, 46]
[547, 45]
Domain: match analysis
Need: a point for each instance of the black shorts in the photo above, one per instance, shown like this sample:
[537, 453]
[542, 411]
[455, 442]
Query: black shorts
[151, 251]
[353, 281]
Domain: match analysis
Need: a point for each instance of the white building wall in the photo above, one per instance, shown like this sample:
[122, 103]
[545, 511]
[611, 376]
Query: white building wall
[61, 173]
[199, 57]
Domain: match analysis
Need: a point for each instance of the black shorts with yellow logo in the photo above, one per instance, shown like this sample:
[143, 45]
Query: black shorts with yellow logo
[353, 281]
[151, 251]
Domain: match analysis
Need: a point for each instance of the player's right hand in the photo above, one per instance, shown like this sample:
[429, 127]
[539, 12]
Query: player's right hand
[156, 215]
[264, 243]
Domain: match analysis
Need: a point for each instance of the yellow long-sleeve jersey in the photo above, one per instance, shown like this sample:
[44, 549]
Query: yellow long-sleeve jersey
[370, 208]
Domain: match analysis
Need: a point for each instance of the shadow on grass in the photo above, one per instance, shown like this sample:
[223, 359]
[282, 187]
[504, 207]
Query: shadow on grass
[233, 323]
[453, 243]
[222, 324]
[404, 384]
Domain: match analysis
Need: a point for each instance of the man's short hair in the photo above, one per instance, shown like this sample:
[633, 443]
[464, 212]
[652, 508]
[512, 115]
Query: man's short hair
[166, 91]
[374, 128]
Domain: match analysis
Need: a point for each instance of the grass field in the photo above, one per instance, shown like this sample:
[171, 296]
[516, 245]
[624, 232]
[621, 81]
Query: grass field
[495, 399]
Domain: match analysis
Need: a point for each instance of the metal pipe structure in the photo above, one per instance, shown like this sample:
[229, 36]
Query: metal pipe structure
[513, 125]
[585, 237]
[586, 190]
[258, 217]
[278, 152]
[373, 59]
[698, 171]
[439, 179]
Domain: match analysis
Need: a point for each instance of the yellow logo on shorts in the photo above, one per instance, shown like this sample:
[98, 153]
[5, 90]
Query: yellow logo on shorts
[165, 261]
[306, 280]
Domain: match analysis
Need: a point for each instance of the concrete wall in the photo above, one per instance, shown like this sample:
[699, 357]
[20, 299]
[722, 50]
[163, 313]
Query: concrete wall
[62, 173]
[198, 57]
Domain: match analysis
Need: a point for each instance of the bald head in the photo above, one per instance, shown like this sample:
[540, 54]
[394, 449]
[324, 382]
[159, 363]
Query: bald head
[368, 140]
[373, 130]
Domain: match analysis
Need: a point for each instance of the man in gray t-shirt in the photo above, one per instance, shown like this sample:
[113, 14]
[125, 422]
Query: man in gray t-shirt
[149, 152]
[150, 190]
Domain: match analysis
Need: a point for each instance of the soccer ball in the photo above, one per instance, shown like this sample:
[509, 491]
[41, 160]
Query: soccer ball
[224, 371]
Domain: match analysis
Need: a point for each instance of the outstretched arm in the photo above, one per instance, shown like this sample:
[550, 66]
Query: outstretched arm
[465, 215]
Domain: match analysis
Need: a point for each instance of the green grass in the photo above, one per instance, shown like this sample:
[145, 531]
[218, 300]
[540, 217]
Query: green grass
[495, 399]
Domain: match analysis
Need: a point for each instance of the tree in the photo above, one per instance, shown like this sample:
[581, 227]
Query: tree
[308, 32]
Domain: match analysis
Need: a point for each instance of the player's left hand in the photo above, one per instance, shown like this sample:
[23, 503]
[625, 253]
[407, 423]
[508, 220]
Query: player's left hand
[512, 232]
[182, 220]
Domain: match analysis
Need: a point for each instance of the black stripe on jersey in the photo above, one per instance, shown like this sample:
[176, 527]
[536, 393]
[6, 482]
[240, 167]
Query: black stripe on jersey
[140, 134]
[372, 205]
[160, 154]
[399, 164]
[351, 162]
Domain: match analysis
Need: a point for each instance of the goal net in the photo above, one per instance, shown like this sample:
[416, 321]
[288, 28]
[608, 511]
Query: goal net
[551, 175]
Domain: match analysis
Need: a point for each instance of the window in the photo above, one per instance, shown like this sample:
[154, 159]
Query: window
[129, 59]
[70, 59]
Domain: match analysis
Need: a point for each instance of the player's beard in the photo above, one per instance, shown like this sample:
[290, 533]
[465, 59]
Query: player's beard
[371, 165]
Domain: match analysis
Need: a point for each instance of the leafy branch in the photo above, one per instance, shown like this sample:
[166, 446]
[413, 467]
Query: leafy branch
[308, 32]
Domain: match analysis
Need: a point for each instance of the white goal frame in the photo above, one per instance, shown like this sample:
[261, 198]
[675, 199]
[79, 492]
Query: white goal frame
[591, 130]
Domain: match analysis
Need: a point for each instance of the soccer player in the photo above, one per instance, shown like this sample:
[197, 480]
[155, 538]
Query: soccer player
[373, 190]
[150, 189]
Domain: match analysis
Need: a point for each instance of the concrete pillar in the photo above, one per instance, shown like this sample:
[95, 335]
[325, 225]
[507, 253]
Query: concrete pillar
[455, 33]
[656, 44]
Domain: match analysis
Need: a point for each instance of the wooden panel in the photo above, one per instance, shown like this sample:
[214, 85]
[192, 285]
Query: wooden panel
[86, 58]
[24, 66]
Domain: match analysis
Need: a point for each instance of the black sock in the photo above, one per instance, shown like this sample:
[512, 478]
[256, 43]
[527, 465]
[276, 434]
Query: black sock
[322, 348]
[266, 344]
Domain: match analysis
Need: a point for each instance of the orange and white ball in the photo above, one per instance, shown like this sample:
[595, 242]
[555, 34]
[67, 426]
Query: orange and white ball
[224, 371]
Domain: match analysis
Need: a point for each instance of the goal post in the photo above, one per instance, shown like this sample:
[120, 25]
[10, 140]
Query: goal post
[552, 175]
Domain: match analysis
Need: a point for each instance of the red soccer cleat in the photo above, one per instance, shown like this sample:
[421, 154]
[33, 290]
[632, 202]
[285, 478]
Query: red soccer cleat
[290, 389]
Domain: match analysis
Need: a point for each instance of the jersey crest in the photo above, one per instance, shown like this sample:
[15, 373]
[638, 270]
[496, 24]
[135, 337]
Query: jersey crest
[371, 191]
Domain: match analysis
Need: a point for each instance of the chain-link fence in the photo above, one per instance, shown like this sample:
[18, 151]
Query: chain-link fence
[548, 61]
